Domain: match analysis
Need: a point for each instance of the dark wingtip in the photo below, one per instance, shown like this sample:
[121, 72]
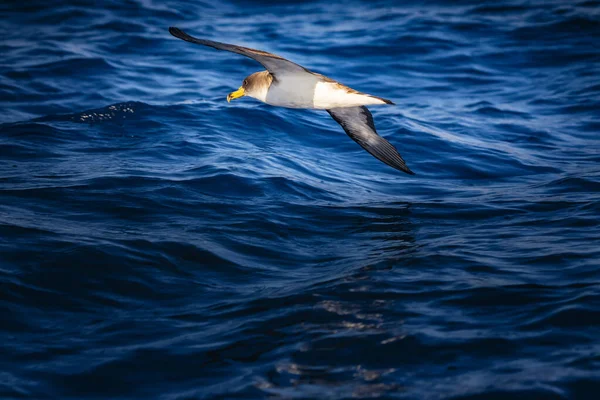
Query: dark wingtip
[178, 33]
[402, 167]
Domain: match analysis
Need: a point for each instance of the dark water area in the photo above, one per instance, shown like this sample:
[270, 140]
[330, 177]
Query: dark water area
[158, 242]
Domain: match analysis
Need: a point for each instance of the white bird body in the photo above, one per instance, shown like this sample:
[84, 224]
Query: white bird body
[312, 91]
[333, 95]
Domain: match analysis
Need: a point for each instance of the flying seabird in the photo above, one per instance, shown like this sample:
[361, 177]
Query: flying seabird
[287, 84]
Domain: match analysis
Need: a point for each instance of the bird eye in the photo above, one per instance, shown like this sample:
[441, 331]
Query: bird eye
[245, 82]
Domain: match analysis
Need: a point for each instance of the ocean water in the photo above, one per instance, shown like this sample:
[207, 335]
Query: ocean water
[157, 242]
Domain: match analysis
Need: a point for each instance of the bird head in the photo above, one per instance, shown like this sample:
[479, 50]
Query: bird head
[255, 85]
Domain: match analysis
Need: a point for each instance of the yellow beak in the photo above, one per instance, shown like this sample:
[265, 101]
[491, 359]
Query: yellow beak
[234, 95]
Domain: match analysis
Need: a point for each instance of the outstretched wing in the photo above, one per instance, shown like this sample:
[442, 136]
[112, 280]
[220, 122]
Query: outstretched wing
[358, 124]
[273, 63]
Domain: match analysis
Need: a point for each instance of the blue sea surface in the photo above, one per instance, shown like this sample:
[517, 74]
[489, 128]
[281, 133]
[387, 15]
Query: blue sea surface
[157, 242]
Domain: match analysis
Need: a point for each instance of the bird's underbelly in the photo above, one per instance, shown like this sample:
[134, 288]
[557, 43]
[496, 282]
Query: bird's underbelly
[292, 93]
